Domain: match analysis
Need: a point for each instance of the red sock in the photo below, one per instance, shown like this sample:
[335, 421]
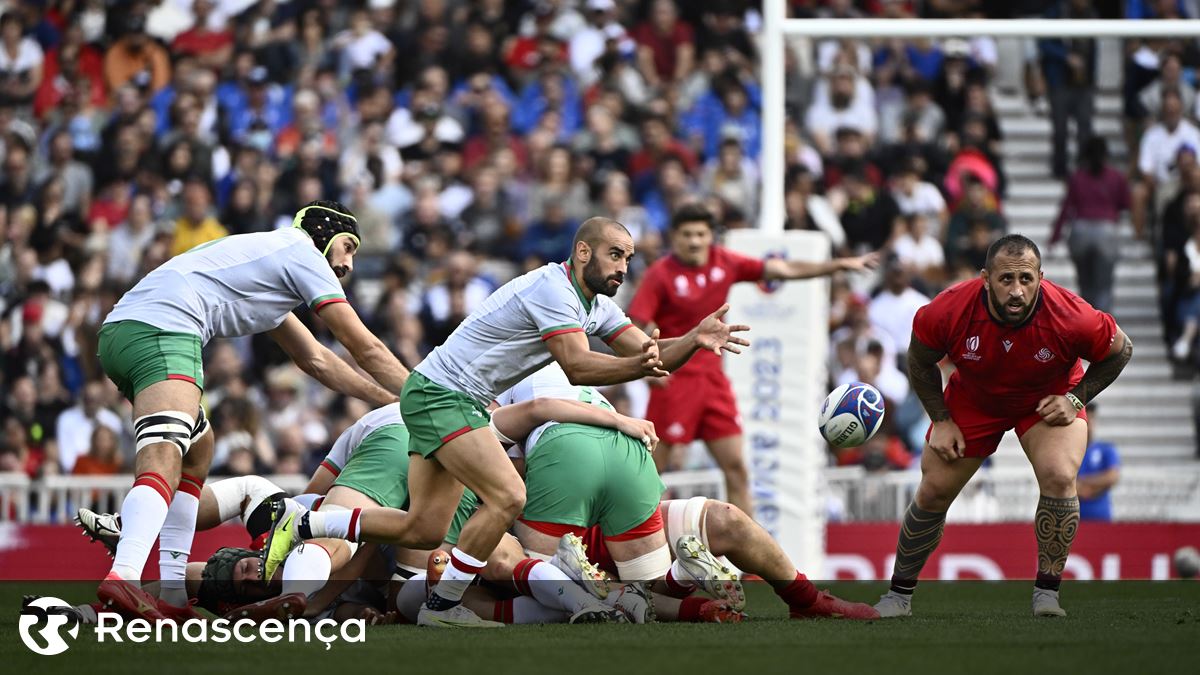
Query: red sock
[521, 576]
[798, 594]
[503, 611]
[689, 609]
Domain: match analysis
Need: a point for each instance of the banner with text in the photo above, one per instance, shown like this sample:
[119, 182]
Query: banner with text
[780, 383]
[1102, 551]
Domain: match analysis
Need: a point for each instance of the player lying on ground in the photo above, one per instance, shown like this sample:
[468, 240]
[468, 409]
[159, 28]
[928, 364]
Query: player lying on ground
[1016, 341]
[150, 347]
[541, 316]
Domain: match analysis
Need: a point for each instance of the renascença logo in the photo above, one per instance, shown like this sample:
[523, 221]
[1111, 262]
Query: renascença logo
[41, 630]
[112, 627]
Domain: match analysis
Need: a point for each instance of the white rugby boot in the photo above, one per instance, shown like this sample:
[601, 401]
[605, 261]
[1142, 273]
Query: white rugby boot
[710, 574]
[572, 559]
[1045, 603]
[893, 604]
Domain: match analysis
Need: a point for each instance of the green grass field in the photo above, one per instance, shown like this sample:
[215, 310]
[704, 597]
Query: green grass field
[975, 627]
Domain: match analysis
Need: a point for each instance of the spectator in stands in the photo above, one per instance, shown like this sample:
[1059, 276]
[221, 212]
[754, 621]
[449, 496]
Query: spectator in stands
[921, 251]
[733, 177]
[846, 106]
[1170, 76]
[916, 197]
[1096, 195]
[871, 218]
[549, 238]
[555, 182]
[21, 61]
[616, 202]
[197, 224]
[666, 45]
[136, 58]
[212, 47]
[1069, 69]
[808, 210]
[103, 456]
[446, 302]
[30, 429]
[1098, 474]
[1188, 285]
[75, 425]
[919, 110]
[894, 306]
[1156, 156]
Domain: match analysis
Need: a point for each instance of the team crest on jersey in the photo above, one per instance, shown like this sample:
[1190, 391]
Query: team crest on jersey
[1044, 355]
[972, 346]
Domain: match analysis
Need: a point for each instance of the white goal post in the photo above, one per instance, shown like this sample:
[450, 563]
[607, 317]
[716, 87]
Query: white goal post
[776, 28]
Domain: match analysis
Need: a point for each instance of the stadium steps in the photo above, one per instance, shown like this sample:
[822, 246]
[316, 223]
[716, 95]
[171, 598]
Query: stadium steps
[1146, 412]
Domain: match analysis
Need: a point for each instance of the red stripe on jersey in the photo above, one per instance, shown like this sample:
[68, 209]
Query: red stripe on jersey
[331, 468]
[560, 331]
[180, 376]
[327, 302]
[609, 340]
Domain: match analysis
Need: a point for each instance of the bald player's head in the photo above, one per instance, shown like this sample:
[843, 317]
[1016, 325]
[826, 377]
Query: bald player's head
[593, 231]
[603, 247]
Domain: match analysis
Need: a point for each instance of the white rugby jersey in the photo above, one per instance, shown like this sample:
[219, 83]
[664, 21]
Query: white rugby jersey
[549, 382]
[238, 285]
[345, 445]
[500, 343]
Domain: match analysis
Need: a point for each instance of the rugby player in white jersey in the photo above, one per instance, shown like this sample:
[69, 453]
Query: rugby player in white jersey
[150, 347]
[544, 315]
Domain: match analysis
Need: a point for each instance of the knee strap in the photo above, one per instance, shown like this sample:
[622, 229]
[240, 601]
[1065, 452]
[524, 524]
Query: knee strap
[646, 567]
[169, 426]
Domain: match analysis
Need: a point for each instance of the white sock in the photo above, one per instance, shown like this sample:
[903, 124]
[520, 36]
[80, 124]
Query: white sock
[458, 575]
[229, 494]
[175, 545]
[332, 524]
[526, 610]
[306, 569]
[142, 514]
[554, 589]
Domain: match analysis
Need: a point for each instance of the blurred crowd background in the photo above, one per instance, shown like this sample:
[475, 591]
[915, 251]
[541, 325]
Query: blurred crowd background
[471, 137]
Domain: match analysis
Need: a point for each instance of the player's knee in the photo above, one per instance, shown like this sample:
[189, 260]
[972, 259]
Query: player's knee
[427, 535]
[933, 497]
[1057, 482]
[512, 499]
[725, 522]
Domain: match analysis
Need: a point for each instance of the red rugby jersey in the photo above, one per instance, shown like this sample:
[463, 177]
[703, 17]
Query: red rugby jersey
[675, 297]
[1006, 370]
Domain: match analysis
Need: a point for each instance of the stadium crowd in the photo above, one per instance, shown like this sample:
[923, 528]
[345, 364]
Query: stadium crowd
[471, 138]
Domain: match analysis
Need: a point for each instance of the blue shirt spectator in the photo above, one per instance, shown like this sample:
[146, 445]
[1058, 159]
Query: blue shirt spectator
[1097, 474]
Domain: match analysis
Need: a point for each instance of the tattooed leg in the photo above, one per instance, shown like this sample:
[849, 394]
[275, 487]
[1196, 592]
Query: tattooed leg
[1055, 524]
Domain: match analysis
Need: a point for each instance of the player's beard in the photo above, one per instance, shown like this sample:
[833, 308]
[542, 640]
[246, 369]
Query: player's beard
[597, 283]
[1001, 309]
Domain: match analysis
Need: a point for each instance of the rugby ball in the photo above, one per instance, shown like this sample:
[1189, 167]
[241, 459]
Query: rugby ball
[851, 415]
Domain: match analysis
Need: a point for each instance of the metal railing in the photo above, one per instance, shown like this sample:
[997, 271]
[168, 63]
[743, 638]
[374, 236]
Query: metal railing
[1169, 493]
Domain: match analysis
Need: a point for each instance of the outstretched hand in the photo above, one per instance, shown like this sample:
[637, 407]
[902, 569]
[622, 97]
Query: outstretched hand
[652, 365]
[861, 263]
[715, 335]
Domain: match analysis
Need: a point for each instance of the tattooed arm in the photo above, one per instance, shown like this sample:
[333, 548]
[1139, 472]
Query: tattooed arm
[1102, 373]
[926, 378]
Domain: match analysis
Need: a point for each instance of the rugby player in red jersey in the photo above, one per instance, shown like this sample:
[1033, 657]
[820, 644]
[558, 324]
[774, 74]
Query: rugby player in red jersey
[1016, 341]
[692, 282]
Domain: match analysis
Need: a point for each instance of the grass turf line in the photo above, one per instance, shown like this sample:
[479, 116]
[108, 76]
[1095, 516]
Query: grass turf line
[976, 627]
